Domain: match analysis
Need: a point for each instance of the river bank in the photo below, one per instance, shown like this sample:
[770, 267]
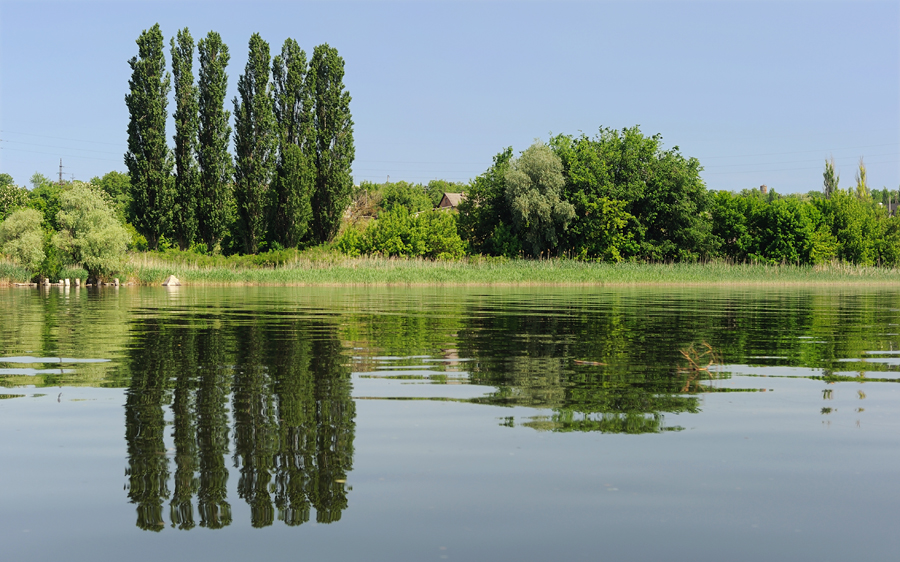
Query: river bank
[337, 270]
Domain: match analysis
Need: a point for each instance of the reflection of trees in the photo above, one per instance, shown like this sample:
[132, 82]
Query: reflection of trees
[293, 420]
[148, 470]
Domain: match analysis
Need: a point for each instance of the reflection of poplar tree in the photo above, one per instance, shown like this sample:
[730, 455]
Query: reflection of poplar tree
[181, 510]
[335, 412]
[212, 432]
[148, 466]
[297, 434]
[254, 425]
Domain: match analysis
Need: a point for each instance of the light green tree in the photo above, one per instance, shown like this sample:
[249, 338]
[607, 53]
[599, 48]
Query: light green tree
[862, 186]
[214, 198]
[148, 157]
[22, 238]
[11, 196]
[334, 141]
[832, 178]
[90, 234]
[255, 144]
[533, 188]
[38, 179]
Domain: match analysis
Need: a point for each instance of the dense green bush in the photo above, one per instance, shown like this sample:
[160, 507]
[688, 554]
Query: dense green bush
[431, 234]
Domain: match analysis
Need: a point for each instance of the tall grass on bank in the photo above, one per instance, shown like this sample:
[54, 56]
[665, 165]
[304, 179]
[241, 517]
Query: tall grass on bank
[331, 269]
[12, 273]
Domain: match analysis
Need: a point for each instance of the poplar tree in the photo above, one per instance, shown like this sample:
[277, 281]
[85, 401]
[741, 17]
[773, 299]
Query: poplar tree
[148, 159]
[213, 201]
[187, 178]
[254, 144]
[289, 195]
[334, 141]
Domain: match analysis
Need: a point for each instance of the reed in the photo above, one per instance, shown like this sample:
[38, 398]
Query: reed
[329, 268]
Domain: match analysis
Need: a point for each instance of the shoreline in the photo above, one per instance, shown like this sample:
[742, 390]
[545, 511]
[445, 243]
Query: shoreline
[145, 270]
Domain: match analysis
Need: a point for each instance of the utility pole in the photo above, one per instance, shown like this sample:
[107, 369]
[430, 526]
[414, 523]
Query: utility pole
[60, 171]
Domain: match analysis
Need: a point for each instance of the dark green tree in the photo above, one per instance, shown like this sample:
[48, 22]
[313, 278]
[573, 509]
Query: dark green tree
[255, 144]
[214, 197]
[148, 158]
[290, 210]
[187, 179]
[334, 141]
[662, 189]
[485, 221]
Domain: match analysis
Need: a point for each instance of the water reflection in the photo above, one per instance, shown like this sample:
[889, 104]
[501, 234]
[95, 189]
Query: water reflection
[238, 398]
[290, 421]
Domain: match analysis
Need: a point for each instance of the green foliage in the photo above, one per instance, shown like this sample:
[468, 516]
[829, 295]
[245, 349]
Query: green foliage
[485, 209]
[214, 197]
[411, 197]
[90, 234]
[12, 197]
[854, 224]
[148, 159]
[662, 190]
[601, 233]
[45, 198]
[832, 179]
[22, 238]
[118, 187]
[187, 178]
[38, 179]
[533, 186]
[255, 142]
[334, 141]
[6, 179]
[430, 234]
[290, 208]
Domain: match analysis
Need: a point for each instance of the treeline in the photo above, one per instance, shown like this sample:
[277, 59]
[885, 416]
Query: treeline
[621, 196]
[289, 180]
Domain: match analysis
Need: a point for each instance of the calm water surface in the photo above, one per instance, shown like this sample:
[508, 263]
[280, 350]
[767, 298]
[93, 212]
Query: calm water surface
[449, 424]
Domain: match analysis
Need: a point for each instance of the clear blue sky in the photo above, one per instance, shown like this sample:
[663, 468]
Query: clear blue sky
[760, 92]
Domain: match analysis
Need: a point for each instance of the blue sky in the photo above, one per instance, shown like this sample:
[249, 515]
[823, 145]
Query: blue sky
[760, 92]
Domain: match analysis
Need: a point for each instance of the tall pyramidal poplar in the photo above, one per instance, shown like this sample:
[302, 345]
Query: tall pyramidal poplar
[214, 197]
[334, 141]
[187, 178]
[290, 210]
[255, 144]
[148, 159]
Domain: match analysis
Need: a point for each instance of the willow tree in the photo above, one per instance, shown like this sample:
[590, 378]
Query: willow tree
[214, 196]
[334, 141]
[534, 186]
[148, 158]
[290, 210]
[187, 177]
[255, 145]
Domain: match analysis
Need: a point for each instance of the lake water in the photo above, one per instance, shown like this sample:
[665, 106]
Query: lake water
[449, 424]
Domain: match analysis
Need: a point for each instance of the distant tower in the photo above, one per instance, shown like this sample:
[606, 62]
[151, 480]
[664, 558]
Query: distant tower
[60, 171]
[763, 189]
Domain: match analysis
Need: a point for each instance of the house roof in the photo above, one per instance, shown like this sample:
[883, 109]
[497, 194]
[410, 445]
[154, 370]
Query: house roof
[451, 199]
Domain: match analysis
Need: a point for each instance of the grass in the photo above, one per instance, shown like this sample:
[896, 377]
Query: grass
[330, 269]
[322, 267]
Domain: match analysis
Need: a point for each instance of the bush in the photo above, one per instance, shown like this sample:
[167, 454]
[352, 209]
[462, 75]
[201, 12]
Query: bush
[431, 234]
